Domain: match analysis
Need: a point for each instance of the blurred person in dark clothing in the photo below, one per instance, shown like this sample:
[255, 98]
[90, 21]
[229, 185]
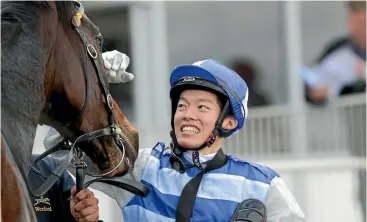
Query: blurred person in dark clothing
[341, 70]
[248, 71]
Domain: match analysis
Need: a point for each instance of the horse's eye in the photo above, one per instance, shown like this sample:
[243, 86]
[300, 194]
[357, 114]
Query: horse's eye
[99, 39]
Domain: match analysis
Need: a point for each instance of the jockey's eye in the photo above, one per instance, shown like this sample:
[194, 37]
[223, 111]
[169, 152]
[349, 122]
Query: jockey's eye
[181, 106]
[203, 107]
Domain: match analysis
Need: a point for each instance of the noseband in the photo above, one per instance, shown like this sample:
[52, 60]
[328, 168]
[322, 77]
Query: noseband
[113, 130]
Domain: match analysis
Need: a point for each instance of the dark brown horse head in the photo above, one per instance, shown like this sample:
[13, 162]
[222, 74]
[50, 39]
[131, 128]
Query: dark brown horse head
[59, 65]
[77, 99]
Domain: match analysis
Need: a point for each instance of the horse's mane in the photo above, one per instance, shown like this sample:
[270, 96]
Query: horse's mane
[23, 60]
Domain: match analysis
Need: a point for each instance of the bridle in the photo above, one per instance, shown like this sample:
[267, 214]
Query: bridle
[75, 153]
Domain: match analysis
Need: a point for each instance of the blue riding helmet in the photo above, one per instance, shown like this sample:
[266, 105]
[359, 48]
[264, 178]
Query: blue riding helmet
[213, 76]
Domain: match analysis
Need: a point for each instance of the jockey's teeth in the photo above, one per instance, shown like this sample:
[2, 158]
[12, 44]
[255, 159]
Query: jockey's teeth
[190, 129]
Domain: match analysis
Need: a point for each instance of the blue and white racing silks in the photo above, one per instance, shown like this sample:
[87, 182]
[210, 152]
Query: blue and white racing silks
[219, 194]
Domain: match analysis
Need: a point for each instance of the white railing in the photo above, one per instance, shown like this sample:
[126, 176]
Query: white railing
[326, 179]
[338, 128]
[330, 189]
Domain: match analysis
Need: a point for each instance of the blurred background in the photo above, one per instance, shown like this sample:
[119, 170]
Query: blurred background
[304, 63]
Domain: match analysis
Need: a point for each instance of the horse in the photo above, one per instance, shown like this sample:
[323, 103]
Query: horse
[51, 68]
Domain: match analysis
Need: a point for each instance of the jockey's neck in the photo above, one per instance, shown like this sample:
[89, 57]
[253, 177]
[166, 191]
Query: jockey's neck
[214, 147]
[207, 153]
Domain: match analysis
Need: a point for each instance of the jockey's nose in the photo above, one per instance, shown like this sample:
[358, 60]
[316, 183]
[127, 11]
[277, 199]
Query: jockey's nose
[190, 113]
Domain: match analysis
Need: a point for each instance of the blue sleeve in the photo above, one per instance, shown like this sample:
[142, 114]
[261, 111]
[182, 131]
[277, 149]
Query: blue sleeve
[47, 164]
[66, 181]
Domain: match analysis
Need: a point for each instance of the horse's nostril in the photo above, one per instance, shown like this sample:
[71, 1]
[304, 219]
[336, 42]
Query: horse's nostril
[104, 166]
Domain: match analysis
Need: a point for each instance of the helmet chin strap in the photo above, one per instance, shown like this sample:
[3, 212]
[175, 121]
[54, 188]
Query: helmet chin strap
[177, 151]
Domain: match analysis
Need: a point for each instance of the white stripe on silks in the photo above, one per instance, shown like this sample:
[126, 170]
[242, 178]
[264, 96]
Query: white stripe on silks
[231, 187]
[139, 214]
[244, 103]
[162, 178]
[227, 187]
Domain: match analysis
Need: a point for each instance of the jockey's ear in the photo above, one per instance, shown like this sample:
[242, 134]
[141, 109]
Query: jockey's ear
[229, 123]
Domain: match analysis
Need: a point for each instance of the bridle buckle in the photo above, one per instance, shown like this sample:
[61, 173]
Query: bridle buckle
[92, 51]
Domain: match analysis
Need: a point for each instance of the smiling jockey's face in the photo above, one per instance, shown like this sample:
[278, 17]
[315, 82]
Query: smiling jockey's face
[195, 117]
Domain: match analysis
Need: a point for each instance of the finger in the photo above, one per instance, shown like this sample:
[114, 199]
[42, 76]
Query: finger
[107, 60]
[89, 218]
[86, 203]
[92, 217]
[73, 202]
[125, 76]
[118, 59]
[129, 76]
[112, 73]
[86, 212]
[83, 194]
[125, 62]
[73, 192]
[107, 64]
[110, 55]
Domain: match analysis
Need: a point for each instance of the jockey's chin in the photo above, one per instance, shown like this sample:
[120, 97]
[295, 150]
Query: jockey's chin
[190, 140]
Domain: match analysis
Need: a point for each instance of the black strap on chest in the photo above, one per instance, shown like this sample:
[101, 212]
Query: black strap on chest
[189, 192]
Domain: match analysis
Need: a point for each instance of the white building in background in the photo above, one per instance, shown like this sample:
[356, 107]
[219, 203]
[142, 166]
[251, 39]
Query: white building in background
[160, 35]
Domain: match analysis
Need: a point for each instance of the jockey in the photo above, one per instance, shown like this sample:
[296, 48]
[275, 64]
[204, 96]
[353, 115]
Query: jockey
[191, 178]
